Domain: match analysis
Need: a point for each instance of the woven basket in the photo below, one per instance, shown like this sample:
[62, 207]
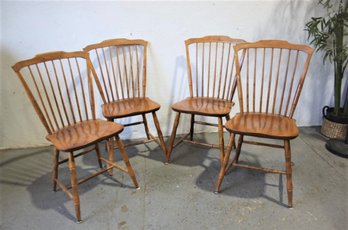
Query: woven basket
[334, 130]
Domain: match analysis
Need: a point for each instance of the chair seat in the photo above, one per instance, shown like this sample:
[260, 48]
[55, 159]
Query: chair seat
[129, 107]
[203, 106]
[83, 134]
[263, 125]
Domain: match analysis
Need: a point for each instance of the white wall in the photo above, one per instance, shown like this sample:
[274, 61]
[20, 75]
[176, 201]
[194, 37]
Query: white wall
[31, 27]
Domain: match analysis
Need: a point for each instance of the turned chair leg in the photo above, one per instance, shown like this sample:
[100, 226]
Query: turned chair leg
[55, 169]
[159, 133]
[224, 163]
[221, 139]
[192, 126]
[239, 147]
[172, 137]
[111, 153]
[74, 186]
[288, 171]
[147, 131]
[126, 161]
[97, 150]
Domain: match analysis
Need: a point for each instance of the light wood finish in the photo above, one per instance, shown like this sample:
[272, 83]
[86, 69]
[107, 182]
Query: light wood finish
[212, 83]
[60, 87]
[120, 66]
[269, 86]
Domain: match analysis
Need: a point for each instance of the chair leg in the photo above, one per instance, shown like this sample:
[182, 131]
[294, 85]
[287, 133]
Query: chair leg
[146, 126]
[288, 171]
[221, 139]
[224, 163]
[192, 126]
[159, 133]
[97, 150]
[74, 186]
[126, 161]
[172, 137]
[111, 153]
[55, 169]
[239, 147]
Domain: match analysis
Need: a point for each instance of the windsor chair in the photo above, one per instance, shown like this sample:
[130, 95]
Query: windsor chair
[269, 86]
[59, 86]
[120, 66]
[212, 83]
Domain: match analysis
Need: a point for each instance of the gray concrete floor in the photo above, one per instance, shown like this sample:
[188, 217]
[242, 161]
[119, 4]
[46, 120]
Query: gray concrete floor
[179, 195]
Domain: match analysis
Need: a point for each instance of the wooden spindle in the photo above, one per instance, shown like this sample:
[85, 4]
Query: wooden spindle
[67, 92]
[102, 74]
[276, 82]
[106, 66]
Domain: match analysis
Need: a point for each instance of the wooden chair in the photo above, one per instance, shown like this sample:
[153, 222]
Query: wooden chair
[211, 78]
[59, 86]
[120, 66]
[269, 86]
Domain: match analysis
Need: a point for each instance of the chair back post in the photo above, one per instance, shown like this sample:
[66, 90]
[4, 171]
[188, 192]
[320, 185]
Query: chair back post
[145, 44]
[273, 76]
[55, 83]
[120, 66]
[210, 66]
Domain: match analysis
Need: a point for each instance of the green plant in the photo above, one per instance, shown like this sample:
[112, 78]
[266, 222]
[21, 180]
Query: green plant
[329, 35]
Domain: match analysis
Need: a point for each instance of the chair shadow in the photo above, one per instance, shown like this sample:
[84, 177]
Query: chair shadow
[31, 169]
[237, 182]
[241, 183]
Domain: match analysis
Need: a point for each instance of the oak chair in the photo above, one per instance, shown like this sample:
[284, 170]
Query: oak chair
[59, 86]
[212, 83]
[120, 66]
[269, 86]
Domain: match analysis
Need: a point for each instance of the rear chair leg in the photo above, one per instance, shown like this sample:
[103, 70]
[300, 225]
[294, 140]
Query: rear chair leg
[126, 161]
[55, 169]
[97, 150]
[192, 126]
[159, 133]
[172, 137]
[221, 139]
[146, 127]
[224, 163]
[239, 147]
[111, 153]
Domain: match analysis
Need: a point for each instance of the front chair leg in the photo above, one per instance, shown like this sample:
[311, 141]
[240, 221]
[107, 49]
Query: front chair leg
[224, 163]
[288, 171]
[74, 186]
[126, 161]
[159, 133]
[172, 136]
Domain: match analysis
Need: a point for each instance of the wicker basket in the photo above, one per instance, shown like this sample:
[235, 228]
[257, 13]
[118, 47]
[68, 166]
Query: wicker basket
[334, 130]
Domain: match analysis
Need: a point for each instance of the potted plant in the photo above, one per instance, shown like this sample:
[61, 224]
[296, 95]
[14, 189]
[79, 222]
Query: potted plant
[329, 35]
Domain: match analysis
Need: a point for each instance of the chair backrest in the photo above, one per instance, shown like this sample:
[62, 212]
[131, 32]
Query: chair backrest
[210, 66]
[120, 65]
[59, 86]
[271, 78]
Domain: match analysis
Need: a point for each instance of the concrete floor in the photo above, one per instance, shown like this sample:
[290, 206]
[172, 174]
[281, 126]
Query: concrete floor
[179, 195]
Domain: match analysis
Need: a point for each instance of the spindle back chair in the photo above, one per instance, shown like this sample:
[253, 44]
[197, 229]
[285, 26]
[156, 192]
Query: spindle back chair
[60, 87]
[120, 66]
[270, 82]
[212, 83]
